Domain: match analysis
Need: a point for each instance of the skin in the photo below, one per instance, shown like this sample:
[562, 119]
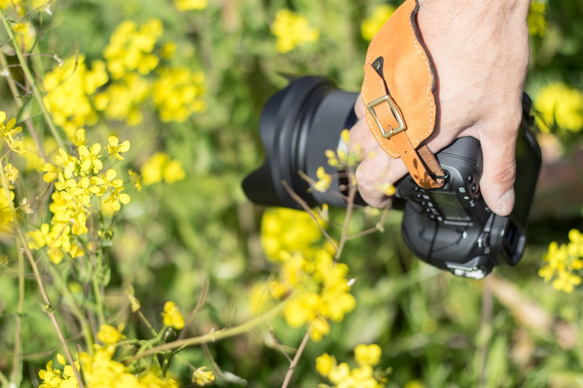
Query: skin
[480, 50]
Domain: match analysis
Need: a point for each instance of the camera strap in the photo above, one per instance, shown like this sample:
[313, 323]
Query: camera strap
[399, 92]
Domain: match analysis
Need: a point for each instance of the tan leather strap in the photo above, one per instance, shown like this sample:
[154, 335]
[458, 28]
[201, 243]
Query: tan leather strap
[400, 96]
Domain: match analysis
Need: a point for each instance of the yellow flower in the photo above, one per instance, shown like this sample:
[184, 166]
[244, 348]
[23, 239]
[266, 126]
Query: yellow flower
[367, 354]
[115, 149]
[325, 363]
[101, 370]
[109, 335]
[292, 30]
[286, 230]
[68, 90]
[379, 15]
[25, 34]
[159, 167]
[537, 24]
[320, 291]
[318, 329]
[189, 5]
[563, 261]
[178, 93]
[202, 377]
[324, 180]
[172, 316]
[136, 179]
[53, 377]
[560, 106]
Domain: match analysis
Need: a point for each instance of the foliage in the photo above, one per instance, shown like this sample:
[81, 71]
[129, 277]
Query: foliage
[129, 255]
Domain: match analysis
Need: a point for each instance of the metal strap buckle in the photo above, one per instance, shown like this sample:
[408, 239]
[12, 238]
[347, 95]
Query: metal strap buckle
[396, 113]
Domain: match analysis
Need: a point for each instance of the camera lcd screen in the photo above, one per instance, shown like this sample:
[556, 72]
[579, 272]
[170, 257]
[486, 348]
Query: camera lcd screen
[450, 206]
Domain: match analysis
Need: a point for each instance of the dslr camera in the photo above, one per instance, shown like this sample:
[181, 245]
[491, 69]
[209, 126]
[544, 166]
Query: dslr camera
[450, 228]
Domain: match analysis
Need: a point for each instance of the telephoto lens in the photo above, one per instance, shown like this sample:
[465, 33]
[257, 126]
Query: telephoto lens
[298, 124]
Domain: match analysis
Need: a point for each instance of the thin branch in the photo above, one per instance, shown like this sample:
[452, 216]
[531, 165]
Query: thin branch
[48, 306]
[296, 359]
[213, 336]
[305, 206]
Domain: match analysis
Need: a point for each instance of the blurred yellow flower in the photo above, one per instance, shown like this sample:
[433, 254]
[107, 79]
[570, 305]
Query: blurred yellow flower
[341, 375]
[202, 377]
[109, 335]
[560, 105]
[172, 317]
[25, 34]
[160, 167]
[537, 23]
[379, 15]
[190, 5]
[325, 363]
[562, 261]
[287, 230]
[292, 30]
[320, 291]
[324, 180]
[367, 354]
[68, 90]
[178, 93]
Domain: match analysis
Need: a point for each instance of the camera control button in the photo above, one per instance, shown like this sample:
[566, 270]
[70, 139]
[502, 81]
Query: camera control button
[471, 179]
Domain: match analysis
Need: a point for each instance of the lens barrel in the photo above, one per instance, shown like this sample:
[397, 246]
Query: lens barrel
[297, 125]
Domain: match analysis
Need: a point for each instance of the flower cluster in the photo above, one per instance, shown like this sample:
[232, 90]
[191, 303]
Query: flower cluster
[177, 93]
[560, 106]
[131, 47]
[69, 88]
[363, 376]
[78, 178]
[53, 377]
[562, 260]
[286, 230]
[8, 132]
[122, 83]
[341, 158]
[319, 289]
[292, 30]
[160, 167]
[101, 370]
[379, 15]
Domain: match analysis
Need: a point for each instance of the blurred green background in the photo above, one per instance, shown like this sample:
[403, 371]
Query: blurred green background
[200, 235]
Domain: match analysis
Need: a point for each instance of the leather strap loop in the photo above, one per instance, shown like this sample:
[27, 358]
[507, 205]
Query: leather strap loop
[399, 93]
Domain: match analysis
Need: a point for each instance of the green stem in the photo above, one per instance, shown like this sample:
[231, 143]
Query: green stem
[97, 273]
[347, 218]
[17, 363]
[296, 359]
[48, 305]
[85, 327]
[31, 80]
[214, 336]
[4, 380]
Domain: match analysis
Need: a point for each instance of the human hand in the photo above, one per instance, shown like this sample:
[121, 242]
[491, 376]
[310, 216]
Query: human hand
[480, 53]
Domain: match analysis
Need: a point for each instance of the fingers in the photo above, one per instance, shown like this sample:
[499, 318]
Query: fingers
[374, 172]
[497, 183]
[377, 168]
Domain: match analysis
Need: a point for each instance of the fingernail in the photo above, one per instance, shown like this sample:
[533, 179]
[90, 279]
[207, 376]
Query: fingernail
[506, 203]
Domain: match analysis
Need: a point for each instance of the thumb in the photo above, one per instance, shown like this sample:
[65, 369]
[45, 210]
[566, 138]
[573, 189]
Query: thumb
[497, 182]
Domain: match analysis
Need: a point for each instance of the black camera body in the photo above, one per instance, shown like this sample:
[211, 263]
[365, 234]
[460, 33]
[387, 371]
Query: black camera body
[450, 228]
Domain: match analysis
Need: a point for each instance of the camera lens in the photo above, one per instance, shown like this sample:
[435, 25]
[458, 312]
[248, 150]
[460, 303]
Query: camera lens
[298, 124]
